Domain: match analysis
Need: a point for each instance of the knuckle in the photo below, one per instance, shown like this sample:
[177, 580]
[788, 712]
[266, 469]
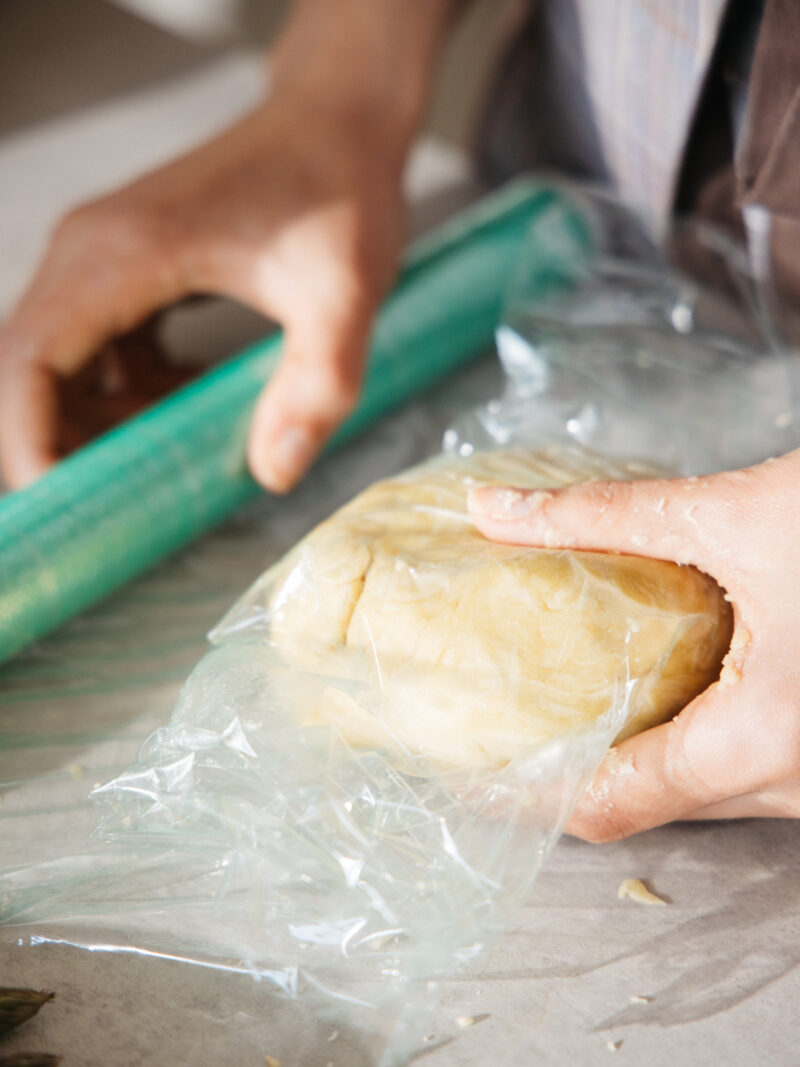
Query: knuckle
[734, 497]
[597, 831]
[116, 225]
[360, 263]
[337, 388]
[76, 225]
[599, 497]
[130, 227]
[782, 761]
[354, 287]
[600, 826]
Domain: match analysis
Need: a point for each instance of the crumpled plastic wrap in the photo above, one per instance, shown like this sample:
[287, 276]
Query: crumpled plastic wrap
[364, 819]
[288, 821]
[403, 627]
[676, 352]
[361, 820]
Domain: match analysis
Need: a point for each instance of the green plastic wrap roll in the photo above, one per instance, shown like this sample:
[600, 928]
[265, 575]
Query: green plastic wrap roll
[127, 500]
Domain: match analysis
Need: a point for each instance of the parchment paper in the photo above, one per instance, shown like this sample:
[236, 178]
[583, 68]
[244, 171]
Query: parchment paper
[718, 968]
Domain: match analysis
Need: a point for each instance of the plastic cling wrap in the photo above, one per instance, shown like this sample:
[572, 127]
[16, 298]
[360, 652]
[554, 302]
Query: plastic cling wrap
[405, 628]
[675, 351]
[365, 774]
[363, 778]
[127, 500]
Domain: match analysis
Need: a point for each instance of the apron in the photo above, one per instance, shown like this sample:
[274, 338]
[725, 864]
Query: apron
[683, 106]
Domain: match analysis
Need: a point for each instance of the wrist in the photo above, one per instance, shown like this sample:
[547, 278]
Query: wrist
[364, 64]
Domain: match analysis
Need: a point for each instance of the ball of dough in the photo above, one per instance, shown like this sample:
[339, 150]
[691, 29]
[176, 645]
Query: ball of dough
[410, 629]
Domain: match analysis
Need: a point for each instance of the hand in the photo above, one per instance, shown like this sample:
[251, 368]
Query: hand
[296, 211]
[735, 750]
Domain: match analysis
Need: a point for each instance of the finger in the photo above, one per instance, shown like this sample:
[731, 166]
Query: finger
[82, 296]
[45, 344]
[314, 388]
[662, 518]
[105, 272]
[28, 417]
[780, 802]
[674, 770]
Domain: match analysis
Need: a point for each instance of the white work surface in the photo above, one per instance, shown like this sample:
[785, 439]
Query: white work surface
[719, 966]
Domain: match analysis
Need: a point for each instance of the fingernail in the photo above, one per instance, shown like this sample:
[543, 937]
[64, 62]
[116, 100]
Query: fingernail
[504, 504]
[290, 457]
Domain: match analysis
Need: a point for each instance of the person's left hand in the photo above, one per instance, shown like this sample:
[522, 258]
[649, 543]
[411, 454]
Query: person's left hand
[735, 750]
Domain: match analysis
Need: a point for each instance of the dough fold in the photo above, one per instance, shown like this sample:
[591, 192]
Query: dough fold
[412, 630]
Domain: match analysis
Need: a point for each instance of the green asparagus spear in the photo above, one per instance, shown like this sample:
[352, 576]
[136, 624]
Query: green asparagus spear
[30, 1059]
[19, 1005]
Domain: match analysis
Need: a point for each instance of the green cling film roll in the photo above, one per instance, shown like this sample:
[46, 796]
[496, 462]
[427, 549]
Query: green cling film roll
[124, 502]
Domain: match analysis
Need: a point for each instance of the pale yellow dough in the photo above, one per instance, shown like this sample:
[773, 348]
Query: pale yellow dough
[638, 891]
[413, 630]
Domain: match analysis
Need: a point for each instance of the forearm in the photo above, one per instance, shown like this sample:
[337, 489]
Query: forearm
[371, 59]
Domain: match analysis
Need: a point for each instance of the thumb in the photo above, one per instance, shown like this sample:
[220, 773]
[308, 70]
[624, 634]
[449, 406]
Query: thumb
[315, 387]
[670, 772]
[663, 518]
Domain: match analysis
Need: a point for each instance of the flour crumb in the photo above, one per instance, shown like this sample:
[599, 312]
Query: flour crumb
[638, 891]
[640, 999]
[272, 1061]
[741, 638]
[613, 1046]
[464, 1021]
[734, 658]
[333, 1036]
[539, 497]
[507, 499]
[552, 539]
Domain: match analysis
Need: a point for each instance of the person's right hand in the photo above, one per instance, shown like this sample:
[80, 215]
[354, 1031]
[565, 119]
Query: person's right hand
[296, 211]
[734, 751]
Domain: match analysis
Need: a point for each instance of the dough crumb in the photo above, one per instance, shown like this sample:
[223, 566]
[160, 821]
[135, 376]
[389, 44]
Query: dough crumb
[640, 1000]
[333, 1036]
[552, 539]
[506, 500]
[638, 540]
[613, 1046]
[741, 638]
[272, 1061]
[539, 497]
[734, 659]
[464, 1021]
[615, 765]
[730, 674]
[661, 506]
[638, 891]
